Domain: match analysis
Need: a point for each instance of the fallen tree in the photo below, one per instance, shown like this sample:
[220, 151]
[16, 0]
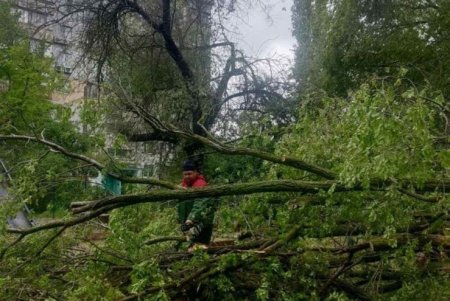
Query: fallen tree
[348, 200]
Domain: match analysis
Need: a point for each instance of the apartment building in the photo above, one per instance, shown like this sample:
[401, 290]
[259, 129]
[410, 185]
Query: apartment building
[48, 23]
[51, 23]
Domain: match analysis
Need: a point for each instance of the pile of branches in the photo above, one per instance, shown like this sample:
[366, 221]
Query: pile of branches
[353, 262]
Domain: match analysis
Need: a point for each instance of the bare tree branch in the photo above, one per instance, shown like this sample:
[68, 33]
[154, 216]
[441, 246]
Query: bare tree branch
[256, 92]
[165, 239]
[99, 166]
[210, 270]
[218, 146]
[54, 147]
[15, 242]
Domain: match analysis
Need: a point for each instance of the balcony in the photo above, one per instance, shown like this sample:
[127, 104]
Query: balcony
[62, 69]
[68, 70]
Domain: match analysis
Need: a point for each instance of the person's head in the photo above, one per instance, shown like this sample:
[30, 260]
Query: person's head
[190, 171]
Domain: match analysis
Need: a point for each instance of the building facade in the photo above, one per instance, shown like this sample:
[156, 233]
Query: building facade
[52, 24]
[49, 24]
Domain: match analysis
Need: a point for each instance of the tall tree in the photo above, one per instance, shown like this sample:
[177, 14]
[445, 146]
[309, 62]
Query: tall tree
[350, 204]
[343, 42]
[159, 56]
[27, 81]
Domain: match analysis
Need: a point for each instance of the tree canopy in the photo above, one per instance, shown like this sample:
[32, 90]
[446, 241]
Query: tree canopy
[336, 192]
[342, 43]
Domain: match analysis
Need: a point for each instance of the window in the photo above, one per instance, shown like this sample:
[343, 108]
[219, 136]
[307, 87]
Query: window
[121, 152]
[48, 51]
[43, 6]
[37, 18]
[22, 3]
[39, 46]
[57, 50]
[62, 34]
[64, 60]
[24, 16]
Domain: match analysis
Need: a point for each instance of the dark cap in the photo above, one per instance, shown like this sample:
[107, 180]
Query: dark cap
[190, 165]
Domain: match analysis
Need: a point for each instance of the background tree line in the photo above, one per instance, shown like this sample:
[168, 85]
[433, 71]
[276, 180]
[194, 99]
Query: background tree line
[335, 191]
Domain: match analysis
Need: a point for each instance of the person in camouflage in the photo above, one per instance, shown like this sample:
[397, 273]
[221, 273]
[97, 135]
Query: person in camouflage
[196, 216]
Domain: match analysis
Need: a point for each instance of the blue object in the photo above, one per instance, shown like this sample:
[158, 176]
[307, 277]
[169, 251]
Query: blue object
[112, 184]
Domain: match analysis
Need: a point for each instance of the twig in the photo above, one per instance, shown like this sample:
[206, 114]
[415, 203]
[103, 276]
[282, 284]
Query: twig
[209, 270]
[99, 166]
[50, 241]
[109, 252]
[164, 239]
[420, 196]
[16, 241]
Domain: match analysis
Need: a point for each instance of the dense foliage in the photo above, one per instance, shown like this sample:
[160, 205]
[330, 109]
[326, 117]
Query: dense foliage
[27, 81]
[343, 42]
[346, 201]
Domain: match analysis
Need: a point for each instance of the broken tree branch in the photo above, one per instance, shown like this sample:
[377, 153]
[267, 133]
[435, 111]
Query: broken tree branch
[99, 166]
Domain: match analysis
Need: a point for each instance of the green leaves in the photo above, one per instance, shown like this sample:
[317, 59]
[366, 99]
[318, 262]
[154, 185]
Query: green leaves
[343, 43]
[262, 293]
[144, 274]
[380, 131]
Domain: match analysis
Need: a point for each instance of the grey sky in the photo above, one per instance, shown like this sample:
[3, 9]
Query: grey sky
[261, 36]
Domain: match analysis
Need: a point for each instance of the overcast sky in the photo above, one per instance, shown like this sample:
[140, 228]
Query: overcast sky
[261, 36]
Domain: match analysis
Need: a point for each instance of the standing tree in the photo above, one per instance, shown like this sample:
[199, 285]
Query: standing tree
[342, 43]
[352, 203]
[159, 59]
